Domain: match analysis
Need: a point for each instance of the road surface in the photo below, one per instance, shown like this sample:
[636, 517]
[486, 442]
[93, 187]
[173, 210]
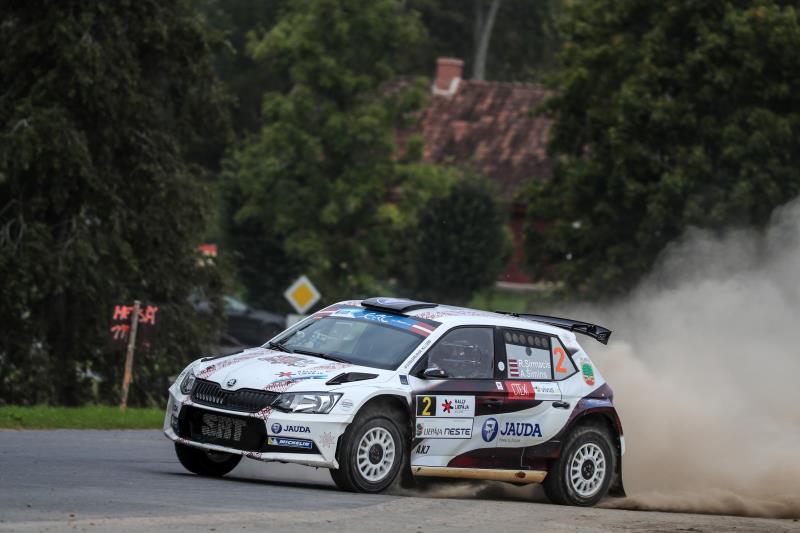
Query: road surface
[67, 480]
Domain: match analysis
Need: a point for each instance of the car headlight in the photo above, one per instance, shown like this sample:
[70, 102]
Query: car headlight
[187, 383]
[307, 402]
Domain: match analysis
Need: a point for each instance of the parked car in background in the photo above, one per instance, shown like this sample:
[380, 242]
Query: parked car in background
[245, 326]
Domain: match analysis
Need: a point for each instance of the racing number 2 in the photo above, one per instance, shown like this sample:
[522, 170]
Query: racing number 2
[426, 405]
[559, 351]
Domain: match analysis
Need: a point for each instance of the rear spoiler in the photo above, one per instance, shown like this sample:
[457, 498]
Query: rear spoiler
[599, 333]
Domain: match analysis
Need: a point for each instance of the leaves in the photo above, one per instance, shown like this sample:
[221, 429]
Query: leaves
[305, 195]
[667, 114]
[104, 104]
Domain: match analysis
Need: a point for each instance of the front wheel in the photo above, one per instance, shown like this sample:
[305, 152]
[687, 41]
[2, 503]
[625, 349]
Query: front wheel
[583, 473]
[206, 463]
[372, 451]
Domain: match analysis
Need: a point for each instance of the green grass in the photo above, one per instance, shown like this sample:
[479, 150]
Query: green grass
[87, 417]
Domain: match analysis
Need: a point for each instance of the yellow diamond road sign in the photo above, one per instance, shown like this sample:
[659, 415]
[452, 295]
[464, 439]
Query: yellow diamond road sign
[302, 294]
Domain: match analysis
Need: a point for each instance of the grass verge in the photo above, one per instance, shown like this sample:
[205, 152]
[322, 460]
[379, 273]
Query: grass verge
[87, 417]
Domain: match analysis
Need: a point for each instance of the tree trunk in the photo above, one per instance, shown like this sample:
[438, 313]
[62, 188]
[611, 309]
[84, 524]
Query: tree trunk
[482, 34]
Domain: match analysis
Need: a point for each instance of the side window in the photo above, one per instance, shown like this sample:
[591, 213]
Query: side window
[465, 353]
[527, 355]
[563, 367]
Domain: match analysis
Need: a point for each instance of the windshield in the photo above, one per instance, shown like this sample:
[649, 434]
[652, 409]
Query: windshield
[359, 337]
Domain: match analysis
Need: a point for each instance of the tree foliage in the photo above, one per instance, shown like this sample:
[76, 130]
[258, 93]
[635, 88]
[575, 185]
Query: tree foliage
[305, 194]
[101, 104]
[667, 114]
[459, 243]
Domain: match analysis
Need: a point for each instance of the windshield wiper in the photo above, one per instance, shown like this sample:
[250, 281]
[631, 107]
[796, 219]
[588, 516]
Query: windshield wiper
[278, 346]
[320, 355]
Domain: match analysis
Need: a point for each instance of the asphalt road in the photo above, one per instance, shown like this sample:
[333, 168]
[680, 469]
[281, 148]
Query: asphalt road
[131, 481]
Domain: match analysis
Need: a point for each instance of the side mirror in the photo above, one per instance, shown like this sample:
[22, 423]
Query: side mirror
[434, 373]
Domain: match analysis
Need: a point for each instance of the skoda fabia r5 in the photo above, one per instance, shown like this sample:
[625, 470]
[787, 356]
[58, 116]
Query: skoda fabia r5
[387, 389]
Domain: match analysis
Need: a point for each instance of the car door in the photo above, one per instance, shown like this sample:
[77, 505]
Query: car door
[450, 411]
[533, 410]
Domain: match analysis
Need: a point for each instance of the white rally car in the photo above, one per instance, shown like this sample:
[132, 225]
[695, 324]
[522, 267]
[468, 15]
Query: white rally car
[387, 388]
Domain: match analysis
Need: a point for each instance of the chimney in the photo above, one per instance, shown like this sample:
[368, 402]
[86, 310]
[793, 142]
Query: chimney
[448, 74]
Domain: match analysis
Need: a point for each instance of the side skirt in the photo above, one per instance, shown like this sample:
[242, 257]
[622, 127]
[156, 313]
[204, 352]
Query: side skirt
[512, 476]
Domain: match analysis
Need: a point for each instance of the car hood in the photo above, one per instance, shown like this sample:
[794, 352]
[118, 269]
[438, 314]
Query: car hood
[261, 368]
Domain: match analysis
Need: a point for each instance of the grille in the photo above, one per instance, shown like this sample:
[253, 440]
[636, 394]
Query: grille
[239, 432]
[247, 400]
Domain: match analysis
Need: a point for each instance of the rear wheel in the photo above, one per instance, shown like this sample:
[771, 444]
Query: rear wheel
[371, 452]
[583, 473]
[204, 462]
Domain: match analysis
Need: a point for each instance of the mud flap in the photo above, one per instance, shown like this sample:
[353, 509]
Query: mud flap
[617, 490]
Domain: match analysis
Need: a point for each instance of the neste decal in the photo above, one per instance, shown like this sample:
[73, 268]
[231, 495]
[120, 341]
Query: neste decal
[444, 428]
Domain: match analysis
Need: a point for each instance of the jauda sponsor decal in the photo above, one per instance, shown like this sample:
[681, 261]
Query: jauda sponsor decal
[277, 428]
[423, 449]
[521, 429]
[511, 429]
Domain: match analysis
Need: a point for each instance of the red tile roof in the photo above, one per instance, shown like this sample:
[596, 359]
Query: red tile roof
[492, 128]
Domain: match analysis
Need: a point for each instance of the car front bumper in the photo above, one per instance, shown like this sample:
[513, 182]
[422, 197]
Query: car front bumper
[270, 435]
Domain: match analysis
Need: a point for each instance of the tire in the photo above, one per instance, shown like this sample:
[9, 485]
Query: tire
[575, 478]
[371, 452]
[205, 463]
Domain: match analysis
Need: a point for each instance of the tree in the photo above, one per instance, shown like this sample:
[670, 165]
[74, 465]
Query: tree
[305, 193]
[460, 243]
[667, 114]
[245, 78]
[100, 105]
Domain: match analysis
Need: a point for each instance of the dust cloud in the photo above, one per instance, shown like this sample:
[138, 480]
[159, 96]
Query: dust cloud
[705, 367]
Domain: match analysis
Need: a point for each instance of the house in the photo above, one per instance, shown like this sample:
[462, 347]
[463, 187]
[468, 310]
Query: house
[492, 128]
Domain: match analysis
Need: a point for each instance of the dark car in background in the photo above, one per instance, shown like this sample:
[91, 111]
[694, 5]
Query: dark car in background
[245, 326]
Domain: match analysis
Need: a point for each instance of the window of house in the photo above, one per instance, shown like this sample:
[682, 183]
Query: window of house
[466, 353]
